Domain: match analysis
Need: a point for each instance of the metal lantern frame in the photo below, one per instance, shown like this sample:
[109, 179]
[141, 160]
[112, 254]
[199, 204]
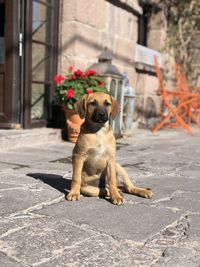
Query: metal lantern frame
[115, 85]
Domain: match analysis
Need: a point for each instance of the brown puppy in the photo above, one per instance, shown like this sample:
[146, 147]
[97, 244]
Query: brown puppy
[94, 153]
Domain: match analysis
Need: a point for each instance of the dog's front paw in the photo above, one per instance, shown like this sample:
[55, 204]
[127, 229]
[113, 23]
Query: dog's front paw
[73, 196]
[117, 200]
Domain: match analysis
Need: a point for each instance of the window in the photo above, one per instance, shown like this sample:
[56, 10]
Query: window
[143, 25]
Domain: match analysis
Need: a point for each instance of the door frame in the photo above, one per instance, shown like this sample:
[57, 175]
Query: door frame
[11, 94]
[27, 69]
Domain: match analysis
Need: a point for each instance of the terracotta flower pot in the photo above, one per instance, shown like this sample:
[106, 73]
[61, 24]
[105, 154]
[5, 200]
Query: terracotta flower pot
[73, 122]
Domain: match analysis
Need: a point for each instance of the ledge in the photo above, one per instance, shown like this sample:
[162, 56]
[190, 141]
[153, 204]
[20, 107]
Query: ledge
[10, 139]
[144, 59]
[133, 4]
[144, 68]
[128, 5]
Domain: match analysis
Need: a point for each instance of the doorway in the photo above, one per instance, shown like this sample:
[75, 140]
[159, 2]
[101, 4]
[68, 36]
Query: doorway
[28, 61]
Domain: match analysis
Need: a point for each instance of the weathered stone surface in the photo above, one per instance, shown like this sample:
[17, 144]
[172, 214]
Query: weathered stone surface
[111, 221]
[175, 262]
[85, 12]
[102, 251]
[9, 262]
[25, 157]
[17, 138]
[122, 51]
[176, 256]
[5, 166]
[193, 231]
[22, 197]
[45, 238]
[186, 201]
[38, 227]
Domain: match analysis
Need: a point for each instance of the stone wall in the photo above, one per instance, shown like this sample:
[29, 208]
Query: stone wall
[195, 47]
[86, 27]
[89, 26]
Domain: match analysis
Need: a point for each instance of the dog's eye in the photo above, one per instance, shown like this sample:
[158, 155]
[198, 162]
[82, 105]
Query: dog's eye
[106, 104]
[93, 104]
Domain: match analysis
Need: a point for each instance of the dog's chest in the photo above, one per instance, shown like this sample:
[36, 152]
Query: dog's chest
[100, 150]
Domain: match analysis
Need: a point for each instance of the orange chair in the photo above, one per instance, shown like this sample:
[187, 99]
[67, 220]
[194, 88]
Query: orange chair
[182, 85]
[173, 102]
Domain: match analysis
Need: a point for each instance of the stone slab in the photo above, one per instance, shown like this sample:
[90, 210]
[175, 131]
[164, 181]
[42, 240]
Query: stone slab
[176, 256]
[25, 197]
[103, 250]
[141, 220]
[171, 183]
[6, 261]
[186, 201]
[43, 239]
[6, 166]
[27, 156]
[193, 231]
[12, 139]
[16, 178]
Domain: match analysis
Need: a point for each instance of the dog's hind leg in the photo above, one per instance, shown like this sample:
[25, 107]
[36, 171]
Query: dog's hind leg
[92, 191]
[128, 186]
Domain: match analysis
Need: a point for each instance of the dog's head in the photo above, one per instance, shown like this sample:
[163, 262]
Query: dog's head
[97, 107]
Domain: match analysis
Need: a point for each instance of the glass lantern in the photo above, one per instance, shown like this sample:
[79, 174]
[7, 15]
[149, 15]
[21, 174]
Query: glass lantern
[114, 80]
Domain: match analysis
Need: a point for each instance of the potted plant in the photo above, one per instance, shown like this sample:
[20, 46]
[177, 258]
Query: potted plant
[70, 88]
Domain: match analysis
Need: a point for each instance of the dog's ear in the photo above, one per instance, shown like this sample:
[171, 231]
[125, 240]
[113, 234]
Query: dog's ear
[80, 106]
[115, 107]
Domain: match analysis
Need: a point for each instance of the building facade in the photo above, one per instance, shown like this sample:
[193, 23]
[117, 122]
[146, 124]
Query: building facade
[39, 38]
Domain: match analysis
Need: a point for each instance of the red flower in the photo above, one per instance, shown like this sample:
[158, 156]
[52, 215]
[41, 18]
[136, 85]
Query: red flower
[89, 72]
[78, 72]
[89, 91]
[85, 74]
[71, 78]
[92, 72]
[70, 69]
[70, 93]
[58, 79]
[100, 84]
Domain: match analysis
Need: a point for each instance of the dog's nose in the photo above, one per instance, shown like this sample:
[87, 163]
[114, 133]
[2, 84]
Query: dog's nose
[101, 113]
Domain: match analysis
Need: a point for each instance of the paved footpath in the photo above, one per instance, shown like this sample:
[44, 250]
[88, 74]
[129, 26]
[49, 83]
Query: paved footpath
[38, 227]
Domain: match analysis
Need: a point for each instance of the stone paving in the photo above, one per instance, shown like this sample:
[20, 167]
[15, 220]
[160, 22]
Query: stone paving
[38, 227]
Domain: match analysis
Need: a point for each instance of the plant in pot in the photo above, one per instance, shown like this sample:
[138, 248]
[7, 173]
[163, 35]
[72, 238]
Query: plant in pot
[70, 88]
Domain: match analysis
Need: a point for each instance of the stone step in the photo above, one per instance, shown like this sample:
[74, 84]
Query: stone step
[13, 138]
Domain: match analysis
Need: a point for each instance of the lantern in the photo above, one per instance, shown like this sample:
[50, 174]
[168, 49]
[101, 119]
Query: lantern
[114, 80]
[129, 95]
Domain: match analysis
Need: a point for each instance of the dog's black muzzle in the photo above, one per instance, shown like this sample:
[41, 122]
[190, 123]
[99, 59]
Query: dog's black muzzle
[100, 115]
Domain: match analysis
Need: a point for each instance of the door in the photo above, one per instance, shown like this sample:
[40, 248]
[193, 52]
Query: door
[8, 49]
[40, 39]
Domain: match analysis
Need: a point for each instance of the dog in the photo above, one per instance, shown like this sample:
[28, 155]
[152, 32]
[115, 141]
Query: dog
[95, 170]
